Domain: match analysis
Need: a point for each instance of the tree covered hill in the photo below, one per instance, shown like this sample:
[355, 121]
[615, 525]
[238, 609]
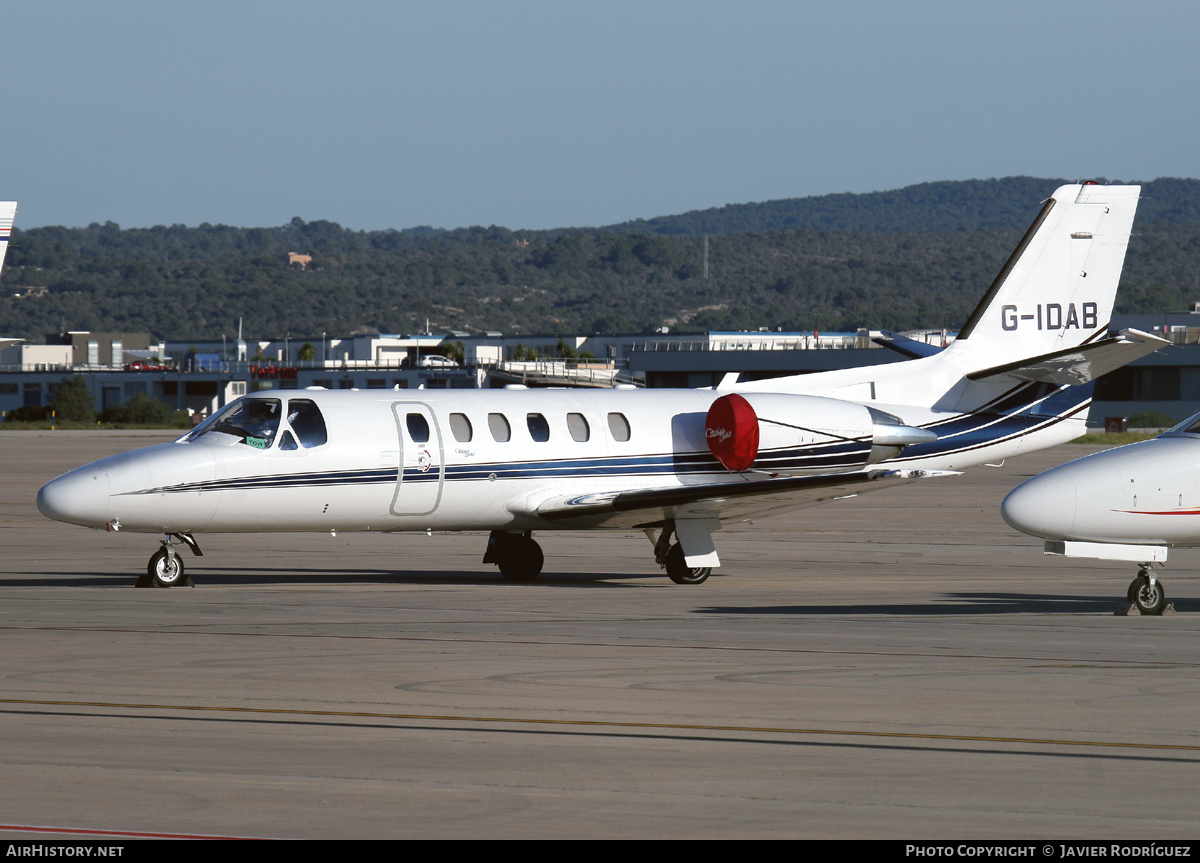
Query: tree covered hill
[970, 205]
[193, 283]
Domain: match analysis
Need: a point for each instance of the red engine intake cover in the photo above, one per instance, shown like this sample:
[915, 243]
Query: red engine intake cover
[731, 430]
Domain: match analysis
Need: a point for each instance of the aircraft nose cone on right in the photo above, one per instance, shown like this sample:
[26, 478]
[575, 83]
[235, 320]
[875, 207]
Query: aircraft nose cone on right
[77, 497]
[1044, 506]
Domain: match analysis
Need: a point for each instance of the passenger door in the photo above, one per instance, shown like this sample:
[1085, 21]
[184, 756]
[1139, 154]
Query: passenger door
[422, 467]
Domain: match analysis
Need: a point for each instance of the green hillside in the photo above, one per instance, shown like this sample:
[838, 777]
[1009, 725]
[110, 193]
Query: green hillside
[970, 205]
[194, 283]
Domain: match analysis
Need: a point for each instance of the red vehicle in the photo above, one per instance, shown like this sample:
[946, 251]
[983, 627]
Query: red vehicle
[146, 366]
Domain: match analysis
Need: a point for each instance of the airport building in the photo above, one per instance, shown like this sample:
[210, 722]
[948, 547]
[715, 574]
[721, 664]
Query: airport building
[201, 376]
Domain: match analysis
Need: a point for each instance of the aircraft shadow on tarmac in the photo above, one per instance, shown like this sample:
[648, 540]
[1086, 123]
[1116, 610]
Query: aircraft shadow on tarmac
[965, 604]
[948, 604]
[235, 576]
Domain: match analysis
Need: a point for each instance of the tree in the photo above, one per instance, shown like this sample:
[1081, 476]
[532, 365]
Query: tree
[72, 401]
[307, 353]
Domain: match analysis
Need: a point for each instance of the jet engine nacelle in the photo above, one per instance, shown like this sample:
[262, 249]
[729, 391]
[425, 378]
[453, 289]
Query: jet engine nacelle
[795, 435]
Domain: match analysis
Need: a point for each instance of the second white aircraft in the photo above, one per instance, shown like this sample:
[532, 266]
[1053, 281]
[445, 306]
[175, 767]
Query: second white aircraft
[1129, 503]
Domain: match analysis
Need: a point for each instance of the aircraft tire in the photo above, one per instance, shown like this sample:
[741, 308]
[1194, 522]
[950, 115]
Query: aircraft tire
[680, 573]
[521, 560]
[1149, 600]
[164, 572]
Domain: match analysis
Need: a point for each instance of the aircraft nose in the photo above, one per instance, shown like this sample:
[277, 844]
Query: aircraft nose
[77, 497]
[1044, 506]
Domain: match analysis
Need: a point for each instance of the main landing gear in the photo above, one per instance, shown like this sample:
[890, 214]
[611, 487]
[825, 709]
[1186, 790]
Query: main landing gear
[1146, 592]
[670, 557]
[165, 568]
[519, 557]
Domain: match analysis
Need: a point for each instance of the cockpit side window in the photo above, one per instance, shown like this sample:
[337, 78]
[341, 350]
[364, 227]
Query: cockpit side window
[306, 421]
[255, 421]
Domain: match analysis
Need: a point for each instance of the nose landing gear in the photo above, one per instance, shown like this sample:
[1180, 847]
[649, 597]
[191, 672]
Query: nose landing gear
[1147, 593]
[165, 568]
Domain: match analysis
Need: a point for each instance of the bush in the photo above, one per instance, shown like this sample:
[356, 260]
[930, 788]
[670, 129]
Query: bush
[1153, 419]
[33, 414]
[141, 411]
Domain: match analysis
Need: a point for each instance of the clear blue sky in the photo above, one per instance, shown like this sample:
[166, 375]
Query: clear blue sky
[545, 114]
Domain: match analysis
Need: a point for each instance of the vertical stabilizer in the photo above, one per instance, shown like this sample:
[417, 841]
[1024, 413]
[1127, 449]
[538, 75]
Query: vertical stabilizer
[1057, 289]
[8, 211]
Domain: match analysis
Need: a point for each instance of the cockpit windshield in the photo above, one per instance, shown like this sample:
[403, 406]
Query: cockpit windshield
[1191, 425]
[258, 423]
[255, 421]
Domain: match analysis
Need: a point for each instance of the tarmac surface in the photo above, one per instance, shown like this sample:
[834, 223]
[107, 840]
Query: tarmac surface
[898, 665]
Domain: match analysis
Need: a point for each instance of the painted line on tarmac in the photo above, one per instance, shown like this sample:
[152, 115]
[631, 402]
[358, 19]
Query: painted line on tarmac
[602, 723]
[125, 834]
[1057, 661]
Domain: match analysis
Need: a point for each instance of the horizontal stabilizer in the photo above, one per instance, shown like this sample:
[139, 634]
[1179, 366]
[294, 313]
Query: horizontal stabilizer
[1077, 365]
[905, 346]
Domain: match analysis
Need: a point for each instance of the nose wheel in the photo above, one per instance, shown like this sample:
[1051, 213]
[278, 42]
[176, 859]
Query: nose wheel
[1147, 593]
[165, 568]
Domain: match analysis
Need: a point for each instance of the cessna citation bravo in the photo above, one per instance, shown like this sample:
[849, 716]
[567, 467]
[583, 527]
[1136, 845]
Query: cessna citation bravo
[677, 464]
[1129, 503]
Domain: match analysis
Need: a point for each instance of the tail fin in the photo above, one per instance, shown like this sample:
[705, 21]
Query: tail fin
[1057, 289]
[8, 210]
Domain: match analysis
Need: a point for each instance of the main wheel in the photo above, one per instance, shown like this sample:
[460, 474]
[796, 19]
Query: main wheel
[521, 559]
[680, 573]
[166, 571]
[1149, 599]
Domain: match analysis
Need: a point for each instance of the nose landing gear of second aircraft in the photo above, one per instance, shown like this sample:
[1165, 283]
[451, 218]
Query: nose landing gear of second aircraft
[1146, 592]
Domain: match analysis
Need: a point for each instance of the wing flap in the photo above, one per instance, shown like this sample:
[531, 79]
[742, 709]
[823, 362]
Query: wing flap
[1076, 365]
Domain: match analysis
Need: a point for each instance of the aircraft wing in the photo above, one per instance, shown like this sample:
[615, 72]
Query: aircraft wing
[731, 501]
[1077, 365]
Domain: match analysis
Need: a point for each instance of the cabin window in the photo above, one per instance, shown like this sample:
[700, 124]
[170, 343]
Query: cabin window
[577, 424]
[287, 442]
[306, 421]
[418, 428]
[618, 426]
[460, 427]
[499, 427]
[539, 429]
[255, 421]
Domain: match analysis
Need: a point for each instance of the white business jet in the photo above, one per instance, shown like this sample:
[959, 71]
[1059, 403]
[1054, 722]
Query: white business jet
[1129, 503]
[677, 464]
